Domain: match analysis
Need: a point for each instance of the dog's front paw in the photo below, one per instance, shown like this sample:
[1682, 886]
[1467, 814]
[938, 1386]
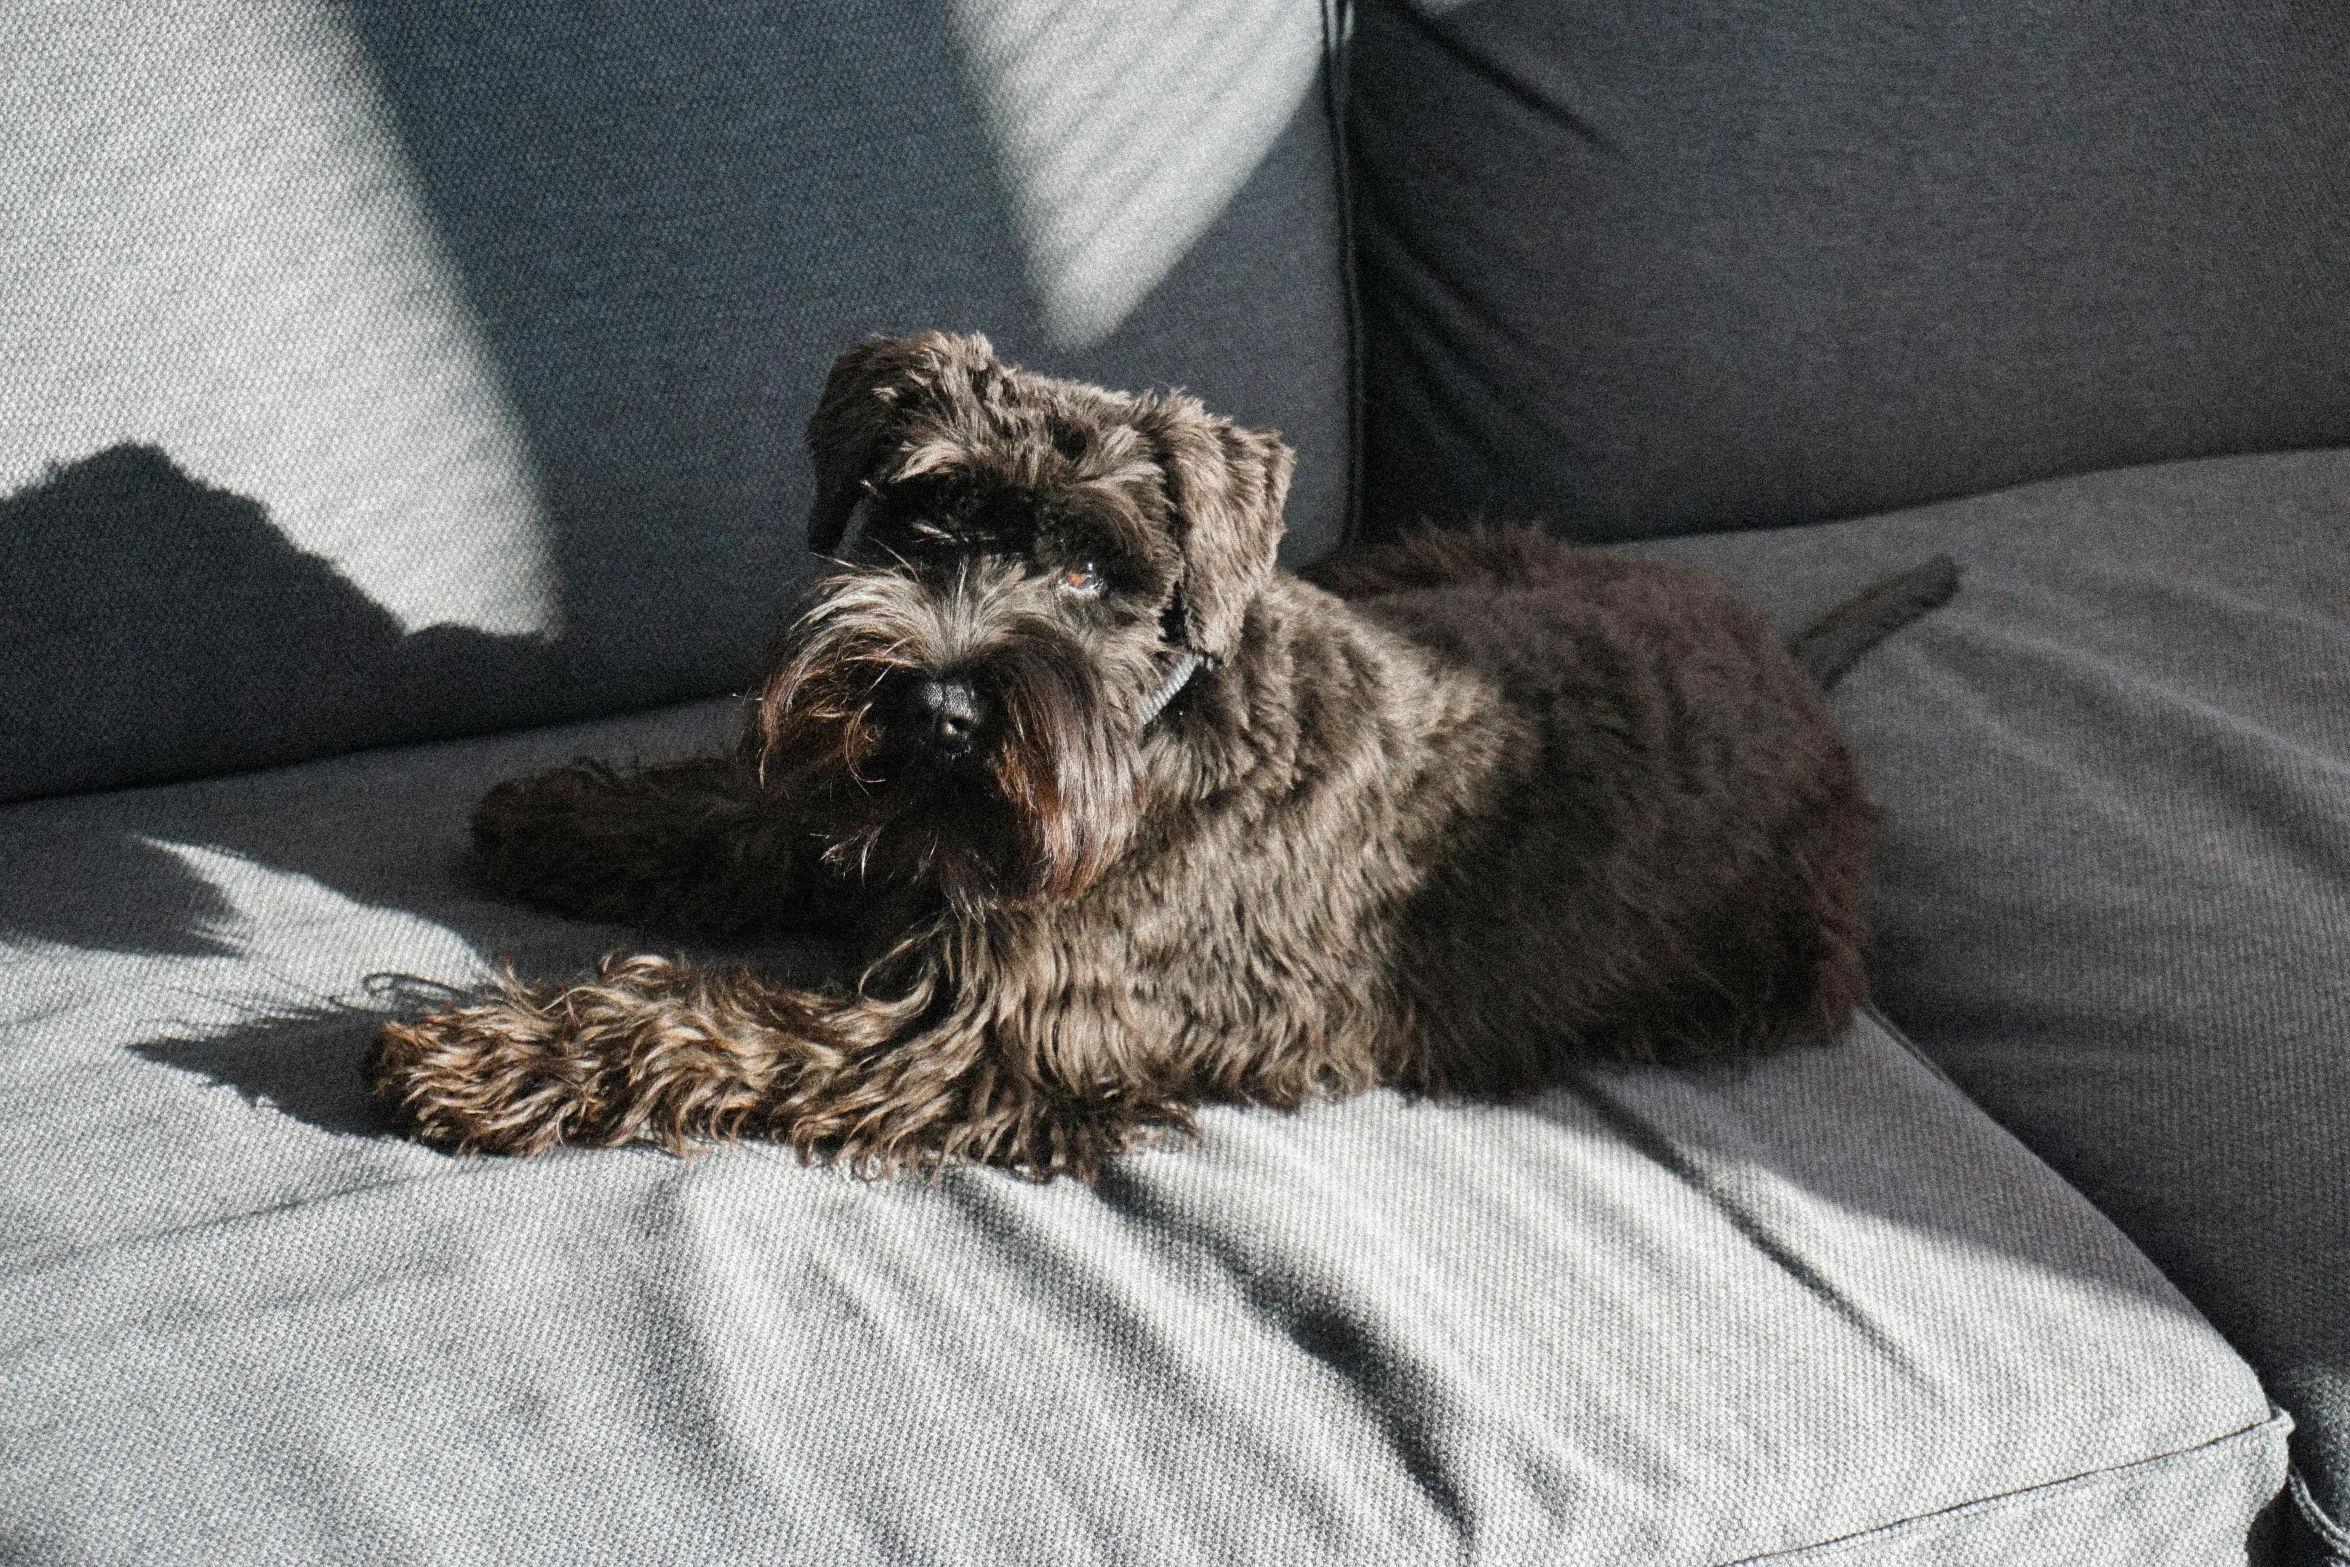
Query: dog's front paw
[541, 837]
[648, 1052]
[499, 1075]
[685, 844]
[508, 811]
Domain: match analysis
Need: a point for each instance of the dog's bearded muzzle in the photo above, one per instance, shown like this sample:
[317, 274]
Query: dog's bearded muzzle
[948, 737]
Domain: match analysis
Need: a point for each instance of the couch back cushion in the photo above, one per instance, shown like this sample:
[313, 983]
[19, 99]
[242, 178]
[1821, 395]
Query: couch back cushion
[1687, 265]
[413, 367]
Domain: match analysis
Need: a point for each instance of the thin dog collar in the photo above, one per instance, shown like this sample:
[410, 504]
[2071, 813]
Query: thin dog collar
[1177, 678]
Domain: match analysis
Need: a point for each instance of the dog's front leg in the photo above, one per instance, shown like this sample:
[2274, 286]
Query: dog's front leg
[658, 1052]
[693, 844]
[649, 1051]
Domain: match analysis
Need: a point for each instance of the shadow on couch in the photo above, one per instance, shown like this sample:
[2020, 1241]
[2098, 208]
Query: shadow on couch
[303, 1064]
[165, 629]
[165, 632]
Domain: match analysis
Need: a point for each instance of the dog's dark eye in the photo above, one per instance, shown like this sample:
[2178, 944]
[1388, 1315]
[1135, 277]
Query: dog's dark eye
[1083, 579]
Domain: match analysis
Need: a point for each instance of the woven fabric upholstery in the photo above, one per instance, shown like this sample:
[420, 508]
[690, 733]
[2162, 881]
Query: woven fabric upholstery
[1688, 265]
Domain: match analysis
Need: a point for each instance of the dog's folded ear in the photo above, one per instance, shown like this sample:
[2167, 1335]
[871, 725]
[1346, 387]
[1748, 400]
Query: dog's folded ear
[1228, 485]
[861, 415]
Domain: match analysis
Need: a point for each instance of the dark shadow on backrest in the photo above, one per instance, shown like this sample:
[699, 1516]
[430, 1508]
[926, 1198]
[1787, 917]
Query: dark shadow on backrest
[159, 628]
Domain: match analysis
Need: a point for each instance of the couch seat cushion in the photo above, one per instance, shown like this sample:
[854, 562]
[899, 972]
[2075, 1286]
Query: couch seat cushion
[2117, 896]
[1819, 1308]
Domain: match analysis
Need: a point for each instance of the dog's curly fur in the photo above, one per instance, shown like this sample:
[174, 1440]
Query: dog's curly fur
[1474, 806]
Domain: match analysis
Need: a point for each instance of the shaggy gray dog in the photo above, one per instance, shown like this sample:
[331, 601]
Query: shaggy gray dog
[1130, 819]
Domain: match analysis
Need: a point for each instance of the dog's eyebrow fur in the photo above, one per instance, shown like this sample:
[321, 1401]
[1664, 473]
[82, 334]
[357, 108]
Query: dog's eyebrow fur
[1107, 510]
[1115, 514]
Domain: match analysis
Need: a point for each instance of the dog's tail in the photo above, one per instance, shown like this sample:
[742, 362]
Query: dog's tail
[1835, 642]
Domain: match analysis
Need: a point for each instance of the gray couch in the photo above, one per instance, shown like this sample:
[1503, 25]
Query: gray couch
[399, 394]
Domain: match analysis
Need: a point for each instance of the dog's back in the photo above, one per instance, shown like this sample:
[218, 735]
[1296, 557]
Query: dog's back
[1679, 861]
[1507, 559]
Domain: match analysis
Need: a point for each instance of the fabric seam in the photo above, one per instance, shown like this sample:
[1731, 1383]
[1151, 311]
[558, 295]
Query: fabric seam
[2321, 1523]
[2278, 1423]
[1337, 35]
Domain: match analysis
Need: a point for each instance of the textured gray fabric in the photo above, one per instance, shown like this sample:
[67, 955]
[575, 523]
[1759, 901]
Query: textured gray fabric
[482, 337]
[1679, 266]
[2117, 894]
[1820, 1309]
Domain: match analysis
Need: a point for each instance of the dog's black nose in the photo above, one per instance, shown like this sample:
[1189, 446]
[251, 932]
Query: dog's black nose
[946, 712]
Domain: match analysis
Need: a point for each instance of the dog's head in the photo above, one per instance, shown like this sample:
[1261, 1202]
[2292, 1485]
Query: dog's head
[1039, 568]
